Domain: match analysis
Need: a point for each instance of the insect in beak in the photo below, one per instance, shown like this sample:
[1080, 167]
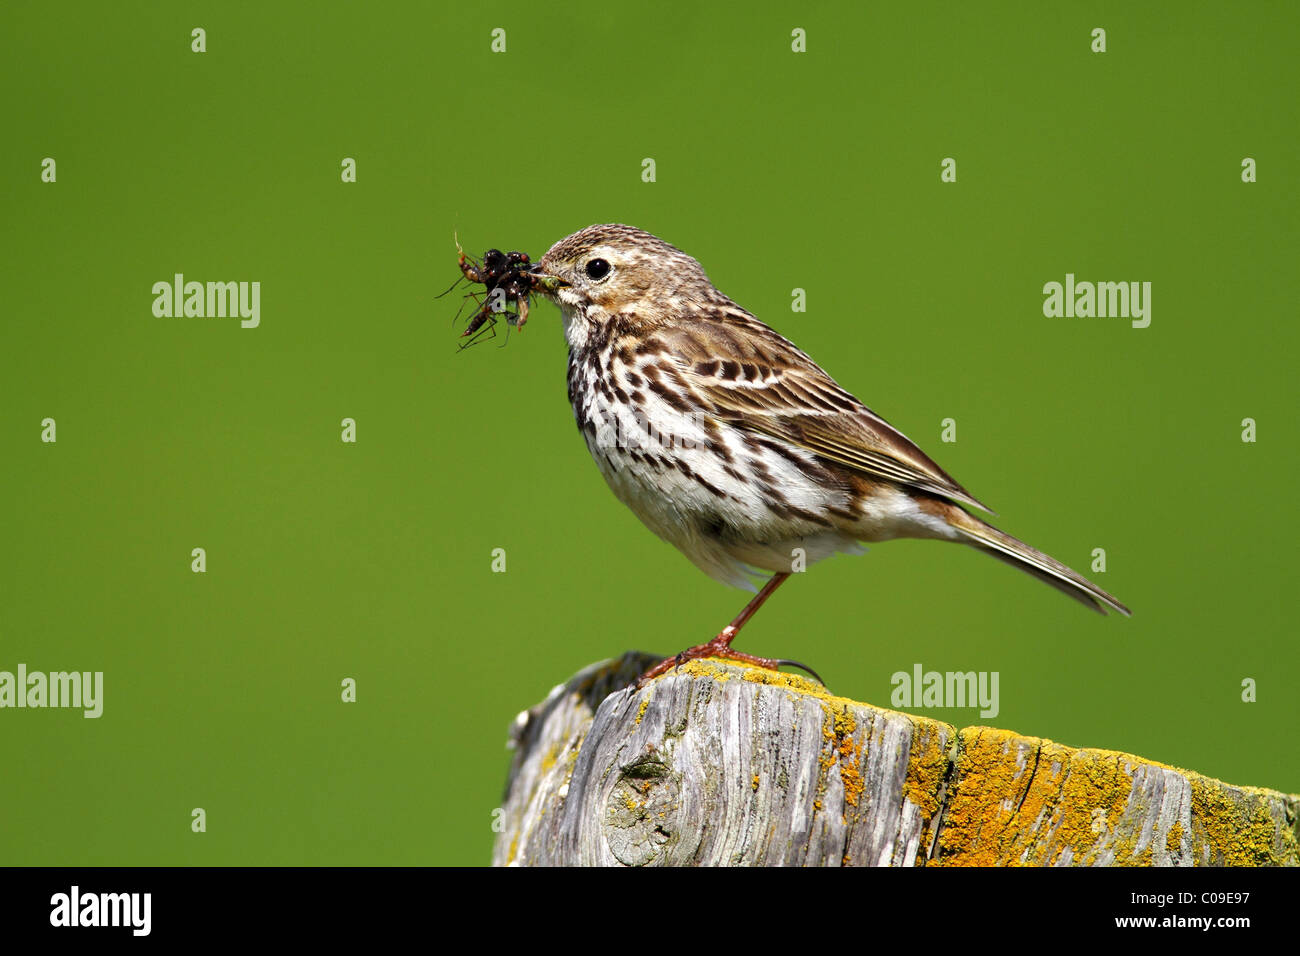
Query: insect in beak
[547, 283]
[509, 279]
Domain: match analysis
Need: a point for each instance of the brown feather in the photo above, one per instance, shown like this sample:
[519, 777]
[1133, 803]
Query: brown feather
[794, 400]
[1015, 552]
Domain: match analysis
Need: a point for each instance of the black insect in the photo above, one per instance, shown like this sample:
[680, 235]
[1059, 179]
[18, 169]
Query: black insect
[507, 279]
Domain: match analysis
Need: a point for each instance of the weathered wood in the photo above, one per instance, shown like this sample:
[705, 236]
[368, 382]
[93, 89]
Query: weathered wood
[718, 764]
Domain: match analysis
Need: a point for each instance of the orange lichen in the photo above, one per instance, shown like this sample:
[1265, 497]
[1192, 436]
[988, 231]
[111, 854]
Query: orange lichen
[1233, 826]
[1017, 800]
[551, 756]
[1174, 841]
[1024, 800]
[927, 764]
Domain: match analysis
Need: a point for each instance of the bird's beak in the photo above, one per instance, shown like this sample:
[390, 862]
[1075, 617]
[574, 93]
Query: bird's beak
[546, 283]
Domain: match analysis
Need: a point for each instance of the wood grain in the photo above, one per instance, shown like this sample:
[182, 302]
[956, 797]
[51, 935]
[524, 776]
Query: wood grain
[718, 764]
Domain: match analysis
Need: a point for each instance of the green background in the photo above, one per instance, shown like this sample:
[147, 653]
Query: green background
[819, 170]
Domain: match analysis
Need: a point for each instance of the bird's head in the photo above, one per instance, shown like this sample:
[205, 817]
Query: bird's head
[609, 271]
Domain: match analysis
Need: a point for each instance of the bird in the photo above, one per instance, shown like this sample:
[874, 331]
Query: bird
[733, 445]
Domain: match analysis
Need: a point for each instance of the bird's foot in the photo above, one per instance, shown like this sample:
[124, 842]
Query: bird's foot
[719, 647]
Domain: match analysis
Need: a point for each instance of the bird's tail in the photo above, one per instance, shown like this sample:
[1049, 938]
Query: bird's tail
[1032, 561]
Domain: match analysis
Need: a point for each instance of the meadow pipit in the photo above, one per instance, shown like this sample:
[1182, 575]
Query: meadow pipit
[730, 443]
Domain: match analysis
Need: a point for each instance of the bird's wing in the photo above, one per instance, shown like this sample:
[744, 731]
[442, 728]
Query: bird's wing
[767, 385]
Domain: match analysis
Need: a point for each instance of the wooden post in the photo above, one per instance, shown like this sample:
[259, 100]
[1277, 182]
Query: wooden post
[717, 764]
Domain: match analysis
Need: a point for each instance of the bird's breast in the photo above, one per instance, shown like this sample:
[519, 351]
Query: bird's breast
[673, 461]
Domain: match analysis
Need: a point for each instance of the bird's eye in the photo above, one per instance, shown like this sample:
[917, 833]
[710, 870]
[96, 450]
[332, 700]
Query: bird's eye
[597, 269]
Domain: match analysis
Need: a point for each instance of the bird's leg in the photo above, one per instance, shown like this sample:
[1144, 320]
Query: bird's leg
[720, 646]
[731, 630]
